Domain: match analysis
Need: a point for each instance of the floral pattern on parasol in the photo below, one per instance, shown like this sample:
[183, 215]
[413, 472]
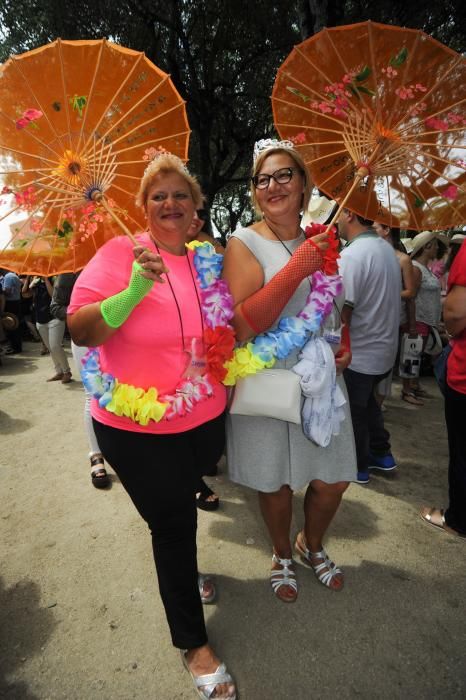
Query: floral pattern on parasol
[78, 122]
[378, 115]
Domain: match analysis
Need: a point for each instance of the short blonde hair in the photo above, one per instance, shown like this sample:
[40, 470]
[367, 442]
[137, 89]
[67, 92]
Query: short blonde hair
[294, 155]
[166, 163]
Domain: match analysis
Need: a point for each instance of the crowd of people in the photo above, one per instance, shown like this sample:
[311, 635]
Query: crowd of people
[156, 410]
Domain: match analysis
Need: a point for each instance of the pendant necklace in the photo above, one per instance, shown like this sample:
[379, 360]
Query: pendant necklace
[196, 363]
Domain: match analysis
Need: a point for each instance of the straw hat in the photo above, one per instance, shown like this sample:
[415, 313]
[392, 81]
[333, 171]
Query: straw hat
[422, 239]
[458, 238]
[408, 244]
[318, 211]
[9, 321]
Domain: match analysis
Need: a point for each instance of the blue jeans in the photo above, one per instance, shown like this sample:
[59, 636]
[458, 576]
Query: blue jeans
[369, 430]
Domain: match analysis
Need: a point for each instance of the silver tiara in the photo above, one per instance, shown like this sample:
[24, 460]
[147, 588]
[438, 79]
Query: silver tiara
[267, 144]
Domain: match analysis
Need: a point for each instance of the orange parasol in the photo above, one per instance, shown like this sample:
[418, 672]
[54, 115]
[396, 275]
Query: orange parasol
[377, 112]
[78, 122]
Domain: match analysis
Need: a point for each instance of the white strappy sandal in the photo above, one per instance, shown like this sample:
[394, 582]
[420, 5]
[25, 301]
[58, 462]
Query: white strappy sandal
[325, 571]
[283, 577]
[206, 684]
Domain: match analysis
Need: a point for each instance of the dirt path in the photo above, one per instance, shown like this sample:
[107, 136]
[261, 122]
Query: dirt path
[80, 616]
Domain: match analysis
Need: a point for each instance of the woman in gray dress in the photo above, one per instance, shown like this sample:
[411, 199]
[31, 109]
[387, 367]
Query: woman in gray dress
[267, 267]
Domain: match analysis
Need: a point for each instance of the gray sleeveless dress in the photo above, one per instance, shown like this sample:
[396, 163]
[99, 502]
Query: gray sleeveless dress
[265, 453]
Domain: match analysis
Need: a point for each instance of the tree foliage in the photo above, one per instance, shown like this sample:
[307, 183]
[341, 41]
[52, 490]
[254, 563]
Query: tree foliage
[222, 56]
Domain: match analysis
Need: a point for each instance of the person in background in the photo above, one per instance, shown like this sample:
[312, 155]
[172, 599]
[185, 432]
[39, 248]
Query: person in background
[195, 233]
[453, 250]
[428, 295]
[11, 284]
[50, 329]
[408, 308]
[453, 518]
[157, 421]
[268, 267]
[372, 282]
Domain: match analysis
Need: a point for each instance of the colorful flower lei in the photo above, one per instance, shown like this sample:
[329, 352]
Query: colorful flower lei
[141, 405]
[292, 331]
[223, 362]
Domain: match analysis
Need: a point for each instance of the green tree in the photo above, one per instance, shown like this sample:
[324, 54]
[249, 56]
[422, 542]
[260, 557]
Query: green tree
[223, 56]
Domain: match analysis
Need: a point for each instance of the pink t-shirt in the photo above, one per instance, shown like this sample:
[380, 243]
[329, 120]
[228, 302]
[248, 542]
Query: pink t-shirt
[147, 350]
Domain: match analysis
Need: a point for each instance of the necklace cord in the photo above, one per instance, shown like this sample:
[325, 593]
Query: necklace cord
[180, 317]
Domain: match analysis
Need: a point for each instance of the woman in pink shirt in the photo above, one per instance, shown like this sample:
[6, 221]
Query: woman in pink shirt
[158, 409]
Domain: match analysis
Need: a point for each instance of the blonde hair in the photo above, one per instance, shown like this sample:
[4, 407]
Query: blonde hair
[294, 155]
[166, 163]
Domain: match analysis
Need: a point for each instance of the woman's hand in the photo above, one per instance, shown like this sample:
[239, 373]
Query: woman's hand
[151, 263]
[321, 241]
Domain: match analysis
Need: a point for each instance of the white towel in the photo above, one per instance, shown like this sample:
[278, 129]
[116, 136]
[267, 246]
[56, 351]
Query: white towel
[322, 411]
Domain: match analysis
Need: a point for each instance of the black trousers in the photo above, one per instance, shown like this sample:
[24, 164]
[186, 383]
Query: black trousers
[368, 426]
[160, 473]
[455, 411]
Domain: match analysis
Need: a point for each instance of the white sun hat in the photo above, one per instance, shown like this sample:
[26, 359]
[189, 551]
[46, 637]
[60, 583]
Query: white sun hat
[318, 211]
[424, 238]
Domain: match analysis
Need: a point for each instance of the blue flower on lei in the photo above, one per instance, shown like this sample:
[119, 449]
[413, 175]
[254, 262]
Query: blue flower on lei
[99, 384]
[208, 264]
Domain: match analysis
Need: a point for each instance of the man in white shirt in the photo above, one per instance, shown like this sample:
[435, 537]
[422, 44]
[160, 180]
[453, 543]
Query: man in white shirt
[372, 286]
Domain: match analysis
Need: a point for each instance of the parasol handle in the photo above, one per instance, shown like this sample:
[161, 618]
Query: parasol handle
[98, 197]
[362, 172]
[341, 206]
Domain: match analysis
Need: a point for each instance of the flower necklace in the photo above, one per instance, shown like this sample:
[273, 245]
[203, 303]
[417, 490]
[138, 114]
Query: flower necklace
[223, 363]
[141, 405]
[292, 331]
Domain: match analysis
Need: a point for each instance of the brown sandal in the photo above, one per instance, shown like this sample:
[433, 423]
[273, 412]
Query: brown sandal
[436, 517]
[99, 477]
[410, 397]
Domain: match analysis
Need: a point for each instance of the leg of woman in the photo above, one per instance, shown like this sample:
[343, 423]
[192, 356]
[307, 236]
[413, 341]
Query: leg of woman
[321, 502]
[277, 510]
[149, 467]
[44, 332]
[56, 332]
[100, 477]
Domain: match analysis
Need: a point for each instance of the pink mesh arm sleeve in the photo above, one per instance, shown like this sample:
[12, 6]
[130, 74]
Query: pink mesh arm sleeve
[262, 308]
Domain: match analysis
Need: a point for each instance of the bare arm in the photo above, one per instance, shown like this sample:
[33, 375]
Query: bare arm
[26, 293]
[49, 286]
[346, 314]
[410, 283]
[245, 276]
[454, 310]
[87, 325]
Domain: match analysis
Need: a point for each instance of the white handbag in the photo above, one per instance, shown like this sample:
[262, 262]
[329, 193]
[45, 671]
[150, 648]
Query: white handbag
[270, 393]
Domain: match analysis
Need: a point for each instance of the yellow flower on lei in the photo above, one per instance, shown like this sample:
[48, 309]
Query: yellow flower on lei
[244, 362]
[135, 403]
[195, 244]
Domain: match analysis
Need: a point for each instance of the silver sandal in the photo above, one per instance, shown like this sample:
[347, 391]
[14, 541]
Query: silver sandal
[206, 684]
[283, 577]
[326, 571]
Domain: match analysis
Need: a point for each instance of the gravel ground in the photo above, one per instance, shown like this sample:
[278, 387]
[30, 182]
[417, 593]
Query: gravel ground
[80, 616]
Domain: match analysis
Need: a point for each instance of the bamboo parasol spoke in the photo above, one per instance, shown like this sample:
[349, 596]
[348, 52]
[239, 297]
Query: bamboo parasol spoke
[400, 81]
[89, 96]
[76, 180]
[41, 106]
